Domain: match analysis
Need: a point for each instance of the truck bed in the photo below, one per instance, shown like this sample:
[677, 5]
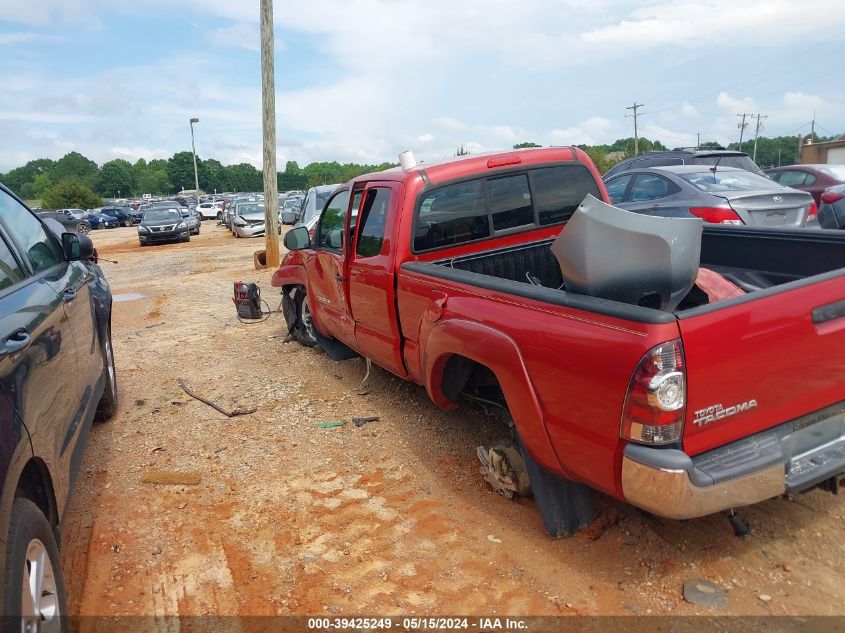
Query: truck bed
[755, 260]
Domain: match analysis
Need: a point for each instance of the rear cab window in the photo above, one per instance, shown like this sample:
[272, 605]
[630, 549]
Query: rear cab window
[500, 204]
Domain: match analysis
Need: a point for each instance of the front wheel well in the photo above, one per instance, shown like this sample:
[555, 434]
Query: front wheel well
[36, 485]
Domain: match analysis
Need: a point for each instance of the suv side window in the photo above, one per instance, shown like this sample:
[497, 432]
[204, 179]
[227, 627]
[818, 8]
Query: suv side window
[374, 218]
[41, 250]
[331, 224]
[10, 270]
[649, 187]
[616, 188]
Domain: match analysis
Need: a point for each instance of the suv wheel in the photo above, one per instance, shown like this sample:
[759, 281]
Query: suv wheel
[35, 591]
[83, 228]
[108, 403]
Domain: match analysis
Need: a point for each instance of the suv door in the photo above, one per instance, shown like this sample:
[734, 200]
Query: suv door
[38, 354]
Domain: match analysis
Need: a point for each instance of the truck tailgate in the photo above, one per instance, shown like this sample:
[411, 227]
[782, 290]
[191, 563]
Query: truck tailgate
[767, 359]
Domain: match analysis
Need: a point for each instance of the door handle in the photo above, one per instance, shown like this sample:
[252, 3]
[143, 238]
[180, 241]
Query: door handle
[829, 312]
[17, 341]
[69, 295]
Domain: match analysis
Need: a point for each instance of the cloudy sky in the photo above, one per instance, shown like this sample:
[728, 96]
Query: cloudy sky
[360, 80]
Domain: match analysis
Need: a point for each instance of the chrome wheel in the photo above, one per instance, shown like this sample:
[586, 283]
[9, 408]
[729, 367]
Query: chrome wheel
[82, 229]
[39, 595]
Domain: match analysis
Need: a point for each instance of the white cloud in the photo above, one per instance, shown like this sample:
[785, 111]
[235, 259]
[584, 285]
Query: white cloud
[449, 124]
[687, 109]
[594, 130]
[239, 35]
[425, 138]
[727, 102]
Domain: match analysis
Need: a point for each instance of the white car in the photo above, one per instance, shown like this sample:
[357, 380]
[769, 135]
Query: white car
[248, 219]
[209, 210]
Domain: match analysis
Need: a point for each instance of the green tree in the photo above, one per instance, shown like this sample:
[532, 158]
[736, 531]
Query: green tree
[526, 145]
[180, 169]
[75, 166]
[116, 176]
[41, 184]
[71, 193]
[18, 177]
[462, 152]
[152, 181]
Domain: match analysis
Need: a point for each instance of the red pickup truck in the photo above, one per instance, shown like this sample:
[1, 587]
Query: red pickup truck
[443, 275]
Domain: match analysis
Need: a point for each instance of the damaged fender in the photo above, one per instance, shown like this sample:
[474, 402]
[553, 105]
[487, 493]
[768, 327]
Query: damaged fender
[501, 355]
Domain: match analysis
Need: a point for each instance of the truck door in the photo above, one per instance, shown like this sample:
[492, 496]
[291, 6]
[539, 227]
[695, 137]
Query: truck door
[327, 297]
[372, 292]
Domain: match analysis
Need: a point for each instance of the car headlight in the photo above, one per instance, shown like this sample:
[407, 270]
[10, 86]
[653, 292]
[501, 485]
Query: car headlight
[181, 225]
[143, 229]
[240, 222]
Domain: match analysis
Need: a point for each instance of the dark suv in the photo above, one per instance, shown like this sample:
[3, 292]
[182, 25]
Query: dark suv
[56, 374]
[722, 157]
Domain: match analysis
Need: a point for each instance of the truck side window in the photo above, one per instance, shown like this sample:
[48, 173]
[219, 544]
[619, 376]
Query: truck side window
[510, 202]
[331, 224]
[452, 215]
[559, 190]
[374, 218]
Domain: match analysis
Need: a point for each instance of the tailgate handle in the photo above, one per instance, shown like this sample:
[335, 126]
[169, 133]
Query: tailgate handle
[829, 312]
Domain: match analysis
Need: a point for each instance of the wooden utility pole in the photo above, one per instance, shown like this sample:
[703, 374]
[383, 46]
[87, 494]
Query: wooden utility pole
[635, 107]
[268, 112]
[757, 132]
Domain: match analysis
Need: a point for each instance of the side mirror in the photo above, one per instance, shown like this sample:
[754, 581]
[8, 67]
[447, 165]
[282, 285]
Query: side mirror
[297, 239]
[77, 247]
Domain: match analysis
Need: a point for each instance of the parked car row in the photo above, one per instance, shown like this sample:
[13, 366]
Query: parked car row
[727, 187]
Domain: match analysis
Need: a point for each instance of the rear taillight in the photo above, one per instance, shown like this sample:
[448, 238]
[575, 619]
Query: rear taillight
[813, 210]
[655, 405]
[829, 197]
[716, 215]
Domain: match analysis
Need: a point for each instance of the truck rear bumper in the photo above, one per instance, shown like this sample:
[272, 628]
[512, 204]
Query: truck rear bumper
[790, 457]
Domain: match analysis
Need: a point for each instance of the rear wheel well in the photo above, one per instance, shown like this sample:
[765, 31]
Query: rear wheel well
[477, 382]
[36, 485]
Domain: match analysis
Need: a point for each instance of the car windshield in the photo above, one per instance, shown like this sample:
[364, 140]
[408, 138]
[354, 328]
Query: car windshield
[739, 161]
[246, 209]
[834, 171]
[728, 181]
[156, 215]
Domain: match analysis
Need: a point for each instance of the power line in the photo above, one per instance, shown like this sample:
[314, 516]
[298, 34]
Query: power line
[635, 115]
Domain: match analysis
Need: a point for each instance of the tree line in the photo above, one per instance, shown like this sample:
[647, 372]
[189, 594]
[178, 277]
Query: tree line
[77, 181]
[78, 177]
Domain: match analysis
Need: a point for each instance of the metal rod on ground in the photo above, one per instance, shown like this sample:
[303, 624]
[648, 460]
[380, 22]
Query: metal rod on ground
[268, 111]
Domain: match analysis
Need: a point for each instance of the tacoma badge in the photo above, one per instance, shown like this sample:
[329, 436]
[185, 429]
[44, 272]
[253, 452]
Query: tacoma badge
[718, 412]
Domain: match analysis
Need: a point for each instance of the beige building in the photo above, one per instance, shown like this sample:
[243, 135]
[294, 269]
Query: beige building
[831, 153]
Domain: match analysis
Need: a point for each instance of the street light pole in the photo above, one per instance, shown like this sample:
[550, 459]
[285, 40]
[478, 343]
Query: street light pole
[194, 149]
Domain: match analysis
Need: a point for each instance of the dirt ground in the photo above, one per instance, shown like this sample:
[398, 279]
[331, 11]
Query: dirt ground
[391, 518]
